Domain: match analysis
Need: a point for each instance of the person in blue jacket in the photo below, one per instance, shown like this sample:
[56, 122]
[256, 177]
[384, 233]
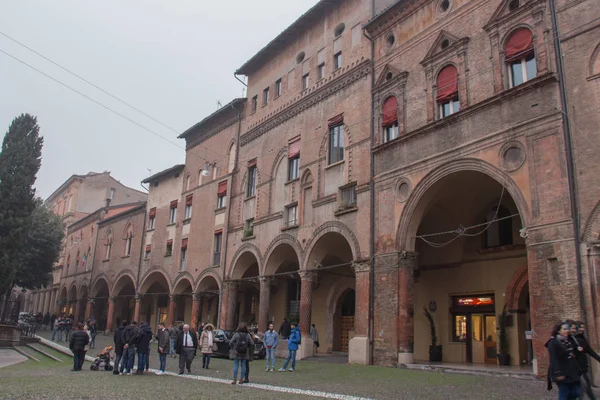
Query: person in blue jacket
[293, 343]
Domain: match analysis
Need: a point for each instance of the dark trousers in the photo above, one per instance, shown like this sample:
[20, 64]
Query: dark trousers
[568, 391]
[147, 361]
[205, 360]
[127, 359]
[185, 358]
[587, 387]
[247, 370]
[163, 361]
[78, 359]
[142, 358]
[118, 357]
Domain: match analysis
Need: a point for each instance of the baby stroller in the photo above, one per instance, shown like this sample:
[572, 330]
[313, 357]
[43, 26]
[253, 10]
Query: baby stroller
[103, 360]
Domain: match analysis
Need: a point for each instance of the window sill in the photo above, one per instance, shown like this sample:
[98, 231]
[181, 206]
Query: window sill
[343, 211]
[106, 260]
[289, 227]
[335, 164]
[253, 112]
[186, 221]
[220, 210]
[250, 197]
[168, 255]
[292, 181]
[126, 256]
[172, 224]
[248, 238]
[150, 230]
[264, 105]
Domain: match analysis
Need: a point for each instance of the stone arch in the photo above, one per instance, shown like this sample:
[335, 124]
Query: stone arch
[409, 220]
[231, 156]
[307, 178]
[205, 276]
[144, 282]
[178, 284]
[514, 288]
[245, 248]
[328, 227]
[120, 281]
[284, 238]
[97, 279]
[333, 298]
[591, 228]
[72, 289]
[595, 61]
[128, 231]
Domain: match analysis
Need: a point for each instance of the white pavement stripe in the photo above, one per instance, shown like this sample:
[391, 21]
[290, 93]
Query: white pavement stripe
[306, 392]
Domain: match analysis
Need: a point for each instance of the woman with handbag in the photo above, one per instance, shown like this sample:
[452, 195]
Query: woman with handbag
[207, 344]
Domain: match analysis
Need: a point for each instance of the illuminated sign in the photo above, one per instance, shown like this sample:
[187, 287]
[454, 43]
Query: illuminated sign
[474, 301]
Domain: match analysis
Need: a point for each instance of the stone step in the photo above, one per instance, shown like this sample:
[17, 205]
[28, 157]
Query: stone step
[45, 353]
[477, 370]
[21, 351]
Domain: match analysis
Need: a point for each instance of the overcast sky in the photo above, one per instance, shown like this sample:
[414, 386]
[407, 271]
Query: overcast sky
[172, 59]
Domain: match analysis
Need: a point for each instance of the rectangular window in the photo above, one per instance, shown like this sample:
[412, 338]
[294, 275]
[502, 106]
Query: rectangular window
[449, 108]
[221, 201]
[249, 228]
[254, 103]
[348, 197]
[172, 214]
[305, 81]
[523, 70]
[459, 328]
[336, 144]
[321, 71]
[222, 194]
[184, 245]
[294, 168]
[265, 96]
[391, 132]
[108, 250]
[147, 253]
[112, 193]
[128, 246]
[151, 221]
[169, 250]
[251, 188]
[217, 248]
[278, 87]
[337, 60]
[291, 216]
[188, 206]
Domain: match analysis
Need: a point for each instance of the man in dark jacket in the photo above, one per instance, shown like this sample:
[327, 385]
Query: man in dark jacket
[164, 347]
[129, 338]
[68, 326]
[583, 349]
[285, 329]
[186, 345]
[118, 339]
[143, 346]
[77, 344]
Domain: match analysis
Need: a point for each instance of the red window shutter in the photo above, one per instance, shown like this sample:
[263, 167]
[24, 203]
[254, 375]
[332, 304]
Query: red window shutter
[152, 213]
[335, 121]
[174, 204]
[222, 191]
[170, 242]
[188, 200]
[519, 45]
[390, 111]
[447, 84]
[184, 243]
[148, 247]
[252, 163]
[294, 149]
[218, 232]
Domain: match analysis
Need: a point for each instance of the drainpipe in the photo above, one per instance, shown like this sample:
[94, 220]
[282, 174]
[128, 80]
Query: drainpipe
[372, 208]
[569, 154]
[226, 230]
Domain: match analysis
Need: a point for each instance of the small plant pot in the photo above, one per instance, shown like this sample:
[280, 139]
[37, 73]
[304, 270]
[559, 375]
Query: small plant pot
[503, 359]
[435, 353]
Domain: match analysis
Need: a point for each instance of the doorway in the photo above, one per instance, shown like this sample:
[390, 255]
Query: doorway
[344, 321]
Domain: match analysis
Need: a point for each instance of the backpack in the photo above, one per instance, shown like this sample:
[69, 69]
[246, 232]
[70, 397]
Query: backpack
[241, 347]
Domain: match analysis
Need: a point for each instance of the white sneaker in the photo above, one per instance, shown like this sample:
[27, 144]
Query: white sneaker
[291, 369]
[271, 370]
[281, 370]
[159, 372]
[267, 370]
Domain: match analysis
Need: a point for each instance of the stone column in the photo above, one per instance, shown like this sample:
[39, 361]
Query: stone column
[306, 290]
[407, 263]
[138, 304]
[53, 307]
[38, 298]
[358, 347]
[88, 308]
[264, 301]
[46, 301]
[231, 303]
[111, 314]
[171, 312]
[195, 311]
[76, 311]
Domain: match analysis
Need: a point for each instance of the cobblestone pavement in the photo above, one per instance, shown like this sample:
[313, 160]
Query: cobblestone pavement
[366, 381]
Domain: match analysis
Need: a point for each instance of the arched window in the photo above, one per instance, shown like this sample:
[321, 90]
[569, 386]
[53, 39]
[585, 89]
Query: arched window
[200, 176]
[109, 242]
[447, 91]
[77, 260]
[499, 233]
[187, 182]
[390, 119]
[231, 161]
[520, 57]
[68, 263]
[128, 238]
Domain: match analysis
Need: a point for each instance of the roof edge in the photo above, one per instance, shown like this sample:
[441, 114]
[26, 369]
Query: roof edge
[207, 119]
[175, 168]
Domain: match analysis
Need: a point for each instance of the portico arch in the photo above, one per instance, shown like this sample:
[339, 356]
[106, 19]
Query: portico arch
[155, 290]
[208, 291]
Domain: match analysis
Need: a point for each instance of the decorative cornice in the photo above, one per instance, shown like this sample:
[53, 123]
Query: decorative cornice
[347, 77]
[219, 128]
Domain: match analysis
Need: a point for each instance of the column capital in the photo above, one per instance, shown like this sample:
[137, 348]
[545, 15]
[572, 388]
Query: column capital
[112, 299]
[407, 259]
[196, 296]
[138, 297]
[306, 275]
[361, 266]
[173, 297]
[91, 300]
[265, 279]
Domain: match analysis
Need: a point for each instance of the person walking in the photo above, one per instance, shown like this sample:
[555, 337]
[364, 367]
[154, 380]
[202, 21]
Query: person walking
[163, 347]
[284, 329]
[239, 348]
[583, 350]
[173, 332]
[143, 346]
[315, 337]
[206, 344]
[563, 370]
[118, 341]
[293, 343]
[187, 343]
[68, 326]
[77, 343]
[250, 358]
[271, 340]
[93, 332]
[129, 338]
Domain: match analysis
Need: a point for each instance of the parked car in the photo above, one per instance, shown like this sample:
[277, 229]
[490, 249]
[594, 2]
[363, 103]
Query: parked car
[222, 339]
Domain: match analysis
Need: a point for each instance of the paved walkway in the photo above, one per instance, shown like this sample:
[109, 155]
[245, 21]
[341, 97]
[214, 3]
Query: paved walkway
[10, 357]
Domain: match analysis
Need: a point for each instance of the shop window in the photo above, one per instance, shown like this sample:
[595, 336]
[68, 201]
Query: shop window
[459, 328]
[520, 57]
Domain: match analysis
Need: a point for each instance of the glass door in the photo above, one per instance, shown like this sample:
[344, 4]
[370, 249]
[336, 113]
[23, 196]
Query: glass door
[490, 340]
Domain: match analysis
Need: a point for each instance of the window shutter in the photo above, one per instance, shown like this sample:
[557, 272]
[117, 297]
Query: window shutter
[148, 247]
[390, 111]
[188, 200]
[447, 84]
[170, 242]
[337, 120]
[519, 45]
[294, 148]
[174, 204]
[218, 232]
[222, 190]
[152, 213]
[184, 243]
